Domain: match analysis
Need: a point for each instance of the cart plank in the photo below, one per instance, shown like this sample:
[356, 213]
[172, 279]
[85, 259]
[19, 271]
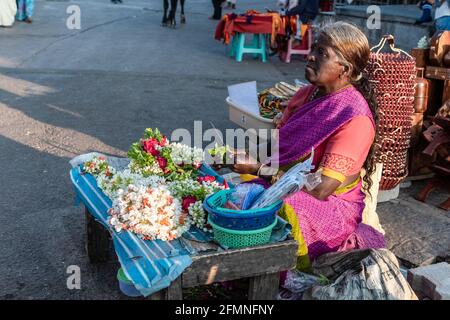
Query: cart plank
[240, 263]
[264, 287]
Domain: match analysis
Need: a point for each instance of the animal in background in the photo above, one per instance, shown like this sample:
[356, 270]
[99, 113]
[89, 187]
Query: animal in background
[169, 15]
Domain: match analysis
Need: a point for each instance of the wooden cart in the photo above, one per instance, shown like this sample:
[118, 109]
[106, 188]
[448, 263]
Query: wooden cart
[262, 264]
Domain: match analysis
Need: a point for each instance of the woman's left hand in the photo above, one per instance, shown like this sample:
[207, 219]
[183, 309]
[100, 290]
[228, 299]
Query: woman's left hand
[326, 188]
[245, 164]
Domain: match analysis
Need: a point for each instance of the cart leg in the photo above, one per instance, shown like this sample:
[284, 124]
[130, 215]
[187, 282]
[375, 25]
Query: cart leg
[264, 287]
[174, 292]
[98, 240]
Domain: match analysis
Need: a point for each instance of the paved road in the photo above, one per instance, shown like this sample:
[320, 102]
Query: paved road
[66, 92]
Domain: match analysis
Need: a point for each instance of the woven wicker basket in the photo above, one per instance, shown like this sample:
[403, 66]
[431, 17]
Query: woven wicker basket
[393, 76]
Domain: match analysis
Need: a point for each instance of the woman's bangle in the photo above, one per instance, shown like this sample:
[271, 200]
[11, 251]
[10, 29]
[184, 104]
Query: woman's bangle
[259, 170]
[270, 171]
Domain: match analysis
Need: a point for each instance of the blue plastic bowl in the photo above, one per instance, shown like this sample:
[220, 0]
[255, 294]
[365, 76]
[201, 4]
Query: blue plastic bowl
[238, 219]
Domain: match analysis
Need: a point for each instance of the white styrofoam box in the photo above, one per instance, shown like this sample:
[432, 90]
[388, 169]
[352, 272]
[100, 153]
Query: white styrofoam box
[247, 120]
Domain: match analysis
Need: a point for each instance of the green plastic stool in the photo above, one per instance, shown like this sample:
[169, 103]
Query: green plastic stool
[258, 46]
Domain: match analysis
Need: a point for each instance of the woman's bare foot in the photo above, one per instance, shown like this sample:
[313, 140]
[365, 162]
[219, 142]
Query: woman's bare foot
[28, 20]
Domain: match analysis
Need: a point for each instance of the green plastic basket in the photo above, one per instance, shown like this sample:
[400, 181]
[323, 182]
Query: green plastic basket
[241, 238]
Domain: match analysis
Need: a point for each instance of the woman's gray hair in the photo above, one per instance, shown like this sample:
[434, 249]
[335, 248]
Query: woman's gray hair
[350, 45]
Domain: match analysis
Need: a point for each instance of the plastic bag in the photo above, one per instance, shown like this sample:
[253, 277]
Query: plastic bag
[245, 193]
[360, 275]
[292, 181]
[298, 282]
[313, 180]
[116, 162]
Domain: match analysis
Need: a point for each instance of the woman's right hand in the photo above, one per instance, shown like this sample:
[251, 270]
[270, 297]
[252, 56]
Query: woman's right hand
[230, 159]
[245, 164]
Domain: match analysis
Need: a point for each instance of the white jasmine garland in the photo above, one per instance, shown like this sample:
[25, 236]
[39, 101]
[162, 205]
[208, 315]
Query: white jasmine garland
[183, 154]
[122, 179]
[198, 215]
[98, 165]
[153, 169]
[151, 212]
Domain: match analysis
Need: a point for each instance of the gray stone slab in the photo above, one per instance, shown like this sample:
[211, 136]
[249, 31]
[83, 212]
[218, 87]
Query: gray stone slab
[432, 280]
[418, 233]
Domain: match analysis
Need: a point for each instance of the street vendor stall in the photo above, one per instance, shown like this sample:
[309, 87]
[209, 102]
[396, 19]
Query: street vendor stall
[233, 29]
[153, 205]
[256, 110]
[280, 29]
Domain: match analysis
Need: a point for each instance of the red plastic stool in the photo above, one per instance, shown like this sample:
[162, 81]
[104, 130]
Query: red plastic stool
[303, 49]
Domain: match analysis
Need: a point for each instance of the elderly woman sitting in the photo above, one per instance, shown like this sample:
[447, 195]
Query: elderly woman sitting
[335, 115]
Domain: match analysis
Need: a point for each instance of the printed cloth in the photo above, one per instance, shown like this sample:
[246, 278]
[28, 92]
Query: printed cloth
[250, 22]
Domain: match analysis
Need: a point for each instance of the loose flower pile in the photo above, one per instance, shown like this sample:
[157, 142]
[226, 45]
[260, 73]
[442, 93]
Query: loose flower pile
[154, 155]
[160, 194]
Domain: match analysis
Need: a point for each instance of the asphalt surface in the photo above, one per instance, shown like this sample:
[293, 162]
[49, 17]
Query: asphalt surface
[67, 92]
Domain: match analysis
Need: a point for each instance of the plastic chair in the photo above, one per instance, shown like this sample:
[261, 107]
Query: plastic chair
[258, 46]
[305, 47]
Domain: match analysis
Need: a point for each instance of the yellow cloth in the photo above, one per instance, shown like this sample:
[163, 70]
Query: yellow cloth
[247, 177]
[333, 174]
[288, 213]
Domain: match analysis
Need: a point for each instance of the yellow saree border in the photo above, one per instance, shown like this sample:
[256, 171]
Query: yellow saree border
[303, 262]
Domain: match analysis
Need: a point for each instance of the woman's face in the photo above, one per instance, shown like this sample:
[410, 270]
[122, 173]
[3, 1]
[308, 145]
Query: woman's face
[323, 67]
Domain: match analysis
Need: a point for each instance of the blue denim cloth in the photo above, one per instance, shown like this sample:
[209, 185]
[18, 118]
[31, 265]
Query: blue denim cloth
[426, 16]
[443, 23]
[25, 9]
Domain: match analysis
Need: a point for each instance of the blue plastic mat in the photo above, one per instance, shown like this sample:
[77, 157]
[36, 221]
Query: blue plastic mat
[151, 265]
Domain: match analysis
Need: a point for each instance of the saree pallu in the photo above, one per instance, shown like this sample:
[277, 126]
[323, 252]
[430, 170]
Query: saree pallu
[25, 9]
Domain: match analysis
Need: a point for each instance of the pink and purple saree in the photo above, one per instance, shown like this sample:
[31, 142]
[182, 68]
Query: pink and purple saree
[335, 223]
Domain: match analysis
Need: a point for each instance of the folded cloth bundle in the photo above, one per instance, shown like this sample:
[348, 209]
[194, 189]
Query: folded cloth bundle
[271, 99]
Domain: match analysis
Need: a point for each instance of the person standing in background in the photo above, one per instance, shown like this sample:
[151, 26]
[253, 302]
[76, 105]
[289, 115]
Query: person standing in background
[231, 4]
[426, 7]
[442, 14]
[306, 11]
[8, 11]
[217, 9]
[25, 10]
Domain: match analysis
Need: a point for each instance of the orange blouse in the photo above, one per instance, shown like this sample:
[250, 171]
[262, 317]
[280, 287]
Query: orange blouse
[346, 150]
